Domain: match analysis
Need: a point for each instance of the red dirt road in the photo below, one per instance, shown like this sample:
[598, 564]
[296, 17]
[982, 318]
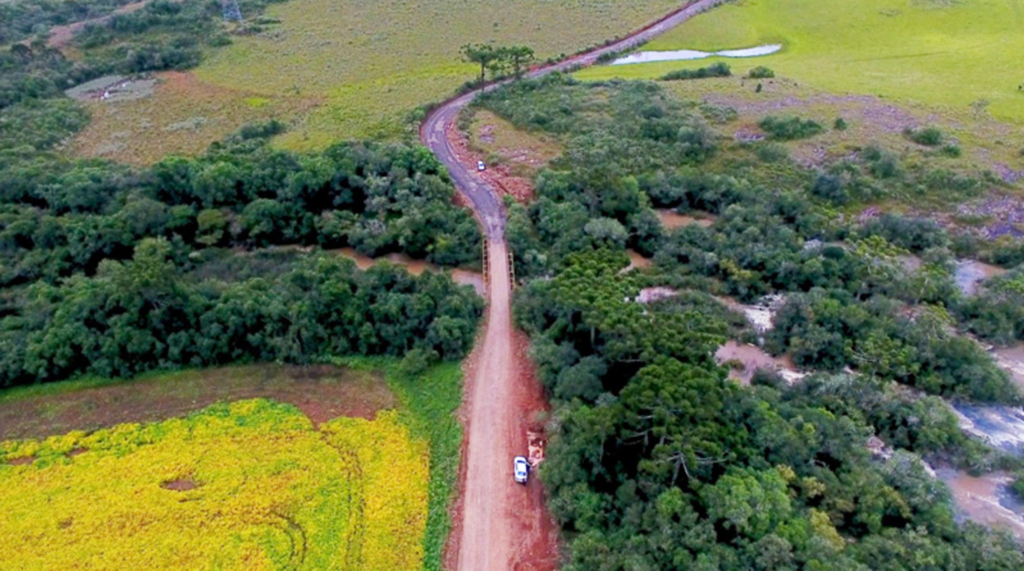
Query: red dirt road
[503, 525]
[498, 524]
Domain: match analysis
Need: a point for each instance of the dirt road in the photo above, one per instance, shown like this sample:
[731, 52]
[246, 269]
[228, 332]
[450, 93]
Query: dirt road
[500, 525]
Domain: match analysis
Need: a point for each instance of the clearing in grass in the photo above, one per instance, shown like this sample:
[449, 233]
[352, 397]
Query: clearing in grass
[938, 52]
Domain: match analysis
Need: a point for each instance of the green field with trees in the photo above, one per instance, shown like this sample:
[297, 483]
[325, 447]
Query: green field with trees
[113, 270]
[371, 62]
[925, 51]
[657, 460]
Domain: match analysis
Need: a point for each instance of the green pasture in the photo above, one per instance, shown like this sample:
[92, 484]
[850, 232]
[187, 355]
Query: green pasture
[372, 61]
[948, 53]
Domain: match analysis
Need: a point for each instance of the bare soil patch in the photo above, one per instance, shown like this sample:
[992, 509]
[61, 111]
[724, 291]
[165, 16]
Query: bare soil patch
[180, 485]
[523, 152]
[499, 176]
[61, 36]
[23, 461]
[321, 392]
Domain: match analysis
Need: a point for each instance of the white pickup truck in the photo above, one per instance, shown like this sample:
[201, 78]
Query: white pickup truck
[520, 469]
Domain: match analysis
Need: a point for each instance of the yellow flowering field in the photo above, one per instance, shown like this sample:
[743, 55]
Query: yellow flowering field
[247, 485]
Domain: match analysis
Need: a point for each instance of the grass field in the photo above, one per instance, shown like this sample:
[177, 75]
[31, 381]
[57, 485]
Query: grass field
[285, 467]
[948, 53]
[184, 115]
[366, 63]
[500, 141]
[250, 485]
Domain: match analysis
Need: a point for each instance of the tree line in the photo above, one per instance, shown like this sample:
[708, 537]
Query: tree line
[499, 60]
[62, 218]
[147, 313]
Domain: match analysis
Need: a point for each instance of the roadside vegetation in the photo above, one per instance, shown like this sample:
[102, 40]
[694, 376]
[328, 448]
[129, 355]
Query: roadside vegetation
[656, 459]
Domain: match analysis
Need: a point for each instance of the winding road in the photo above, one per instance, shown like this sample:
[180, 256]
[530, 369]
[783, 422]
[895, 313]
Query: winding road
[504, 526]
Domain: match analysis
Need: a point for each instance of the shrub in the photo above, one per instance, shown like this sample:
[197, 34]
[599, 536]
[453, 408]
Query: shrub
[1018, 485]
[840, 124]
[914, 234]
[951, 150]
[772, 153]
[789, 128]
[929, 136]
[881, 164]
[417, 361]
[830, 187]
[761, 72]
[716, 70]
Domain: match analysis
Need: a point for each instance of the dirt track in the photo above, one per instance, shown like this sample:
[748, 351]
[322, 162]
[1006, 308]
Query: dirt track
[500, 525]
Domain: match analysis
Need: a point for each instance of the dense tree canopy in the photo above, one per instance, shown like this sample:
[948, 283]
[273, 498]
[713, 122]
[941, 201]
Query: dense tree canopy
[657, 461]
[114, 270]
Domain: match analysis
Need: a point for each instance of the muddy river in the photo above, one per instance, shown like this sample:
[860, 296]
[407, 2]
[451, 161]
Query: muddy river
[415, 267]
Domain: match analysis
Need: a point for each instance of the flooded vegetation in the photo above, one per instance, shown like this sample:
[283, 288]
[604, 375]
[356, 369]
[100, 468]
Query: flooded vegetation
[745, 359]
[1002, 427]
[1011, 360]
[671, 219]
[986, 500]
[759, 315]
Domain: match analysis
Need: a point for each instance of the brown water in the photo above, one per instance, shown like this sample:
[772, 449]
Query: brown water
[671, 219]
[753, 358]
[1011, 359]
[415, 267]
[984, 500]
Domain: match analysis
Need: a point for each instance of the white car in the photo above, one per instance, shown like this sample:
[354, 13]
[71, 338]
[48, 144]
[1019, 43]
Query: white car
[520, 469]
[480, 166]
